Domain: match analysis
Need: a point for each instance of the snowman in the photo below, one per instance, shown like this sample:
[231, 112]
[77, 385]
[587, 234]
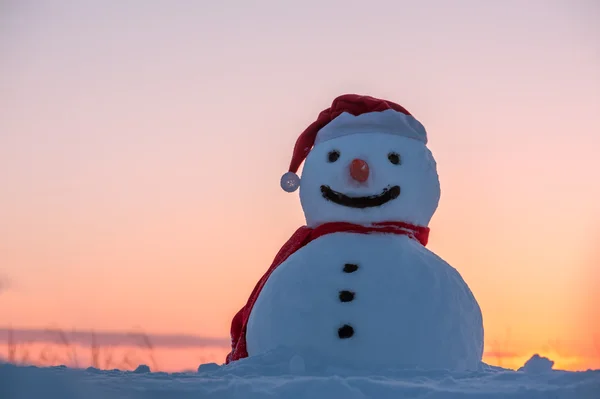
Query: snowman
[357, 284]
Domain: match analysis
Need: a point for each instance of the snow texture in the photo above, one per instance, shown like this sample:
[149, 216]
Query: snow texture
[285, 374]
[416, 175]
[410, 308]
[142, 368]
[537, 364]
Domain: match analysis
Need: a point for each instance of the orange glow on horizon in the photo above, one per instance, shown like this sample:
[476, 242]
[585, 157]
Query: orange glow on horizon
[188, 359]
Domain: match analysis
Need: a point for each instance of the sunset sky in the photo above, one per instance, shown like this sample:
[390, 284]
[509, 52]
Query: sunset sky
[141, 146]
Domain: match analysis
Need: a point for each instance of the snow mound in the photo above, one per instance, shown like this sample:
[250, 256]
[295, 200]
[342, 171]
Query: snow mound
[142, 368]
[537, 364]
[290, 375]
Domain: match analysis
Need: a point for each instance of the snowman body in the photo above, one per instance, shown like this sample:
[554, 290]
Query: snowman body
[376, 300]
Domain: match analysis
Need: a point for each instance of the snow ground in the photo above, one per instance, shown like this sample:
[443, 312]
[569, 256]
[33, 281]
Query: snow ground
[283, 374]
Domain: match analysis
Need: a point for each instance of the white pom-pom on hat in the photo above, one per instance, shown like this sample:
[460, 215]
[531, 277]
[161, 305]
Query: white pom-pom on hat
[290, 182]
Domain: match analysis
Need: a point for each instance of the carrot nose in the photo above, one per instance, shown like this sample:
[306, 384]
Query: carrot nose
[359, 170]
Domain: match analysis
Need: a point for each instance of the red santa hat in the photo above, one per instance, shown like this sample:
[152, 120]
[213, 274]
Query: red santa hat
[352, 114]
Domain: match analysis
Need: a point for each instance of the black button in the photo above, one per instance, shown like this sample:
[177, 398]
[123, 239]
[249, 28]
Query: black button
[350, 268]
[345, 331]
[346, 296]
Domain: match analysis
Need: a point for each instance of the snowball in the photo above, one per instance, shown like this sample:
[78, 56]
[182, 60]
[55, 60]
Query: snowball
[410, 308]
[416, 176]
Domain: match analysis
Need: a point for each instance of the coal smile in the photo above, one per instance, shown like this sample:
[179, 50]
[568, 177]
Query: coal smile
[370, 201]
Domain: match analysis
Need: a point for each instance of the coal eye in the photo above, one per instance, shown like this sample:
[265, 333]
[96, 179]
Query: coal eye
[333, 156]
[394, 158]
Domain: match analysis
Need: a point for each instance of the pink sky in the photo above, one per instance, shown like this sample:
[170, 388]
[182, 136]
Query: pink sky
[141, 147]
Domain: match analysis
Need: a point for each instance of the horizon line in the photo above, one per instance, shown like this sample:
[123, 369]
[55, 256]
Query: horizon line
[139, 338]
[135, 337]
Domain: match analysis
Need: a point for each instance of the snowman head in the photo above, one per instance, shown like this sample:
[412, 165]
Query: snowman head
[366, 161]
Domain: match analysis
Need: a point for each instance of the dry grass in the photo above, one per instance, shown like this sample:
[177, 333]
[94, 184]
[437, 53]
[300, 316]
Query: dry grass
[95, 352]
[498, 349]
[17, 352]
[145, 343]
[65, 352]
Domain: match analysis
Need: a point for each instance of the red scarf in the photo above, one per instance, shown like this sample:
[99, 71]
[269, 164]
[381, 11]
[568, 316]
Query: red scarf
[300, 238]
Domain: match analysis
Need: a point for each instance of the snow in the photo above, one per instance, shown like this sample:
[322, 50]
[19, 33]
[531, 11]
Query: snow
[142, 368]
[537, 364]
[278, 375]
[416, 175]
[410, 307]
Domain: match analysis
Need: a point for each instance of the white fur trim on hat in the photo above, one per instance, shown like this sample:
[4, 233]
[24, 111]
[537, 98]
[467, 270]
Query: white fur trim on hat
[388, 121]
